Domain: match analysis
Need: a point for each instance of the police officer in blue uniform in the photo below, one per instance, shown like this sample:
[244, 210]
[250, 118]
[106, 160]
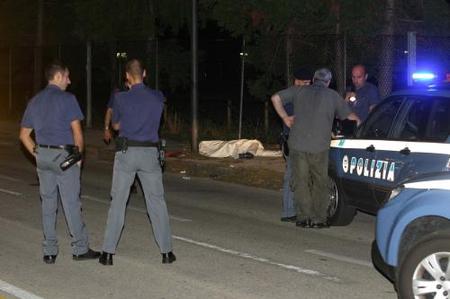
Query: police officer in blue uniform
[137, 114]
[55, 117]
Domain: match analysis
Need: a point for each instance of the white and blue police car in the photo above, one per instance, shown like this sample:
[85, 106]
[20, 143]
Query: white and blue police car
[406, 135]
[412, 246]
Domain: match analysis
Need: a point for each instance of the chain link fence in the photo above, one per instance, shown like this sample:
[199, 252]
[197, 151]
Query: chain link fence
[267, 69]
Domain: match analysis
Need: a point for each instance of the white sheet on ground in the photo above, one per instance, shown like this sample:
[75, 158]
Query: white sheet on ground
[232, 148]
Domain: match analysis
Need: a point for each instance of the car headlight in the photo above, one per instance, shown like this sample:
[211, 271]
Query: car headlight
[395, 192]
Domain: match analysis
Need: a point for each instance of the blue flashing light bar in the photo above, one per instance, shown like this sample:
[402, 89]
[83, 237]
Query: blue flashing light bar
[423, 76]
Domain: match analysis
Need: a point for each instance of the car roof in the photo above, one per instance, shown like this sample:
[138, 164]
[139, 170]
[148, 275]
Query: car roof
[438, 90]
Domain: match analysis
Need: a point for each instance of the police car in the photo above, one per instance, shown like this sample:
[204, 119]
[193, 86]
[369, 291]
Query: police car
[412, 246]
[406, 135]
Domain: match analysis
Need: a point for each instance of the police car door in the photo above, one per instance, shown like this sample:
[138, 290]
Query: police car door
[419, 143]
[360, 169]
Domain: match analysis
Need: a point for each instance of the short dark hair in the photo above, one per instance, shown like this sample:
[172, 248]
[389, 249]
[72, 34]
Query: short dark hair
[54, 67]
[134, 67]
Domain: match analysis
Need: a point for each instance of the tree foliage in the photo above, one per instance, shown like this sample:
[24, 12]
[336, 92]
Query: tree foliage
[266, 25]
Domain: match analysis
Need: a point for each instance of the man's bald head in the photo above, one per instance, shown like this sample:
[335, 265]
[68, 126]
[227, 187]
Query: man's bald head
[359, 76]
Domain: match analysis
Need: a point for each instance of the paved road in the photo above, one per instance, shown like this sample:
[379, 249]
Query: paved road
[228, 240]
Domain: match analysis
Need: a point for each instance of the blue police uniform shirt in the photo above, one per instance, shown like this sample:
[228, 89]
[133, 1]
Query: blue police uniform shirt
[110, 103]
[366, 96]
[139, 113]
[50, 114]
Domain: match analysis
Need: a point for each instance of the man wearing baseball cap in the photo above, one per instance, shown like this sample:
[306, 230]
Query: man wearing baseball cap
[302, 77]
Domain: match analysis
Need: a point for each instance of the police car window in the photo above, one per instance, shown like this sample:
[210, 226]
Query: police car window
[414, 125]
[380, 120]
[438, 129]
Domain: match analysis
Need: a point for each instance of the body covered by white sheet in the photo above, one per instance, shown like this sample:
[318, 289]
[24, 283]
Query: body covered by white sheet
[232, 148]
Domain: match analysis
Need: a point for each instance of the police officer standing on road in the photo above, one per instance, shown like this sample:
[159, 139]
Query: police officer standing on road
[315, 107]
[137, 114]
[55, 117]
[108, 132]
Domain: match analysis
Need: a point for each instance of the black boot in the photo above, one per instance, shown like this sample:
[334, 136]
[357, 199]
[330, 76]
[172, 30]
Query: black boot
[89, 255]
[106, 259]
[168, 258]
[49, 259]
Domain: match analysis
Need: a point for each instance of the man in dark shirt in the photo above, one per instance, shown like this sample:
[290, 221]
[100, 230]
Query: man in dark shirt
[55, 117]
[302, 77]
[315, 107]
[137, 115]
[366, 96]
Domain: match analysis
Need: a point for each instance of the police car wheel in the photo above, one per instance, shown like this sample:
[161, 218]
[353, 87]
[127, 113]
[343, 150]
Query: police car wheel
[423, 272]
[339, 213]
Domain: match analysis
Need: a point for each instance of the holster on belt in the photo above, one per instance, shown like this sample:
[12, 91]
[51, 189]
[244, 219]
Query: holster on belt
[73, 157]
[121, 144]
[162, 153]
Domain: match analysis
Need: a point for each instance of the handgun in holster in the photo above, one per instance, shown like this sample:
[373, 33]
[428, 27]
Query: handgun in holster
[162, 153]
[73, 157]
[121, 144]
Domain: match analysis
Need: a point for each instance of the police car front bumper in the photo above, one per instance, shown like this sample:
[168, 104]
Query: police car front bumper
[387, 270]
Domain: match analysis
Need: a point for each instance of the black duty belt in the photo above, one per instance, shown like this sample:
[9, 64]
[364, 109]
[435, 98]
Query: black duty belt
[52, 146]
[135, 143]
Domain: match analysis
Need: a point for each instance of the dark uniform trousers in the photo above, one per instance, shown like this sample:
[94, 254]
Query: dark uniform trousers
[51, 180]
[142, 161]
[310, 184]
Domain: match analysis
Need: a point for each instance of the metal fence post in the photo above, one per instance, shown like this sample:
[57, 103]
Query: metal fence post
[243, 54]
[194, 50]
[411, 56]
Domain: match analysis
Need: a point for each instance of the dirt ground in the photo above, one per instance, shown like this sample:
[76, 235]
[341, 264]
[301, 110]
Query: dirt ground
[261, 172]
[264, 172]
